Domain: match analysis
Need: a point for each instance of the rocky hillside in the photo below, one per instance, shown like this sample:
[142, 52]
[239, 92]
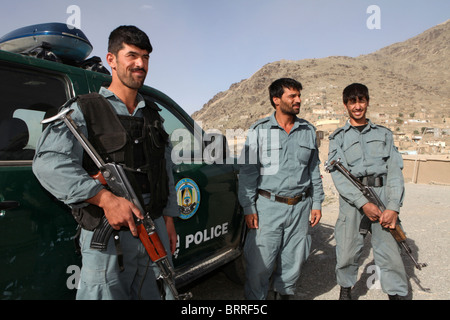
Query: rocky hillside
[408, 79]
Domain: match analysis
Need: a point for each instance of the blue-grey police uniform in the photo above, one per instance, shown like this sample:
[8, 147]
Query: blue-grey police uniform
[287, 165]
[58, 167]
[370, 152]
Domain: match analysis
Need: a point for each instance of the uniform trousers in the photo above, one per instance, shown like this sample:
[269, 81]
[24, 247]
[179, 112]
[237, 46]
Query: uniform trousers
[386, 252]
[278, 248]
[101, 278]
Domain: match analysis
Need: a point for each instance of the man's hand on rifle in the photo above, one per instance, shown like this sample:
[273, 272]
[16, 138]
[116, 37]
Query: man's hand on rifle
[119, 211]
[388, 219]
[371, 211]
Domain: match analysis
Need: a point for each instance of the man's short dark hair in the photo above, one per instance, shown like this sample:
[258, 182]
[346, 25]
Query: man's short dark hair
[277, 87]
[354, 92]
[129, 35]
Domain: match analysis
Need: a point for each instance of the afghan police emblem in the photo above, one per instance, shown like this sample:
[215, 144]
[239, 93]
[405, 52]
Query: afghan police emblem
[188, 197]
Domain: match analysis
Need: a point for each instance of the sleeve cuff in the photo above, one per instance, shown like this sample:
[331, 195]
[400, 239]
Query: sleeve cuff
[393, 206]
[360, 202]
[249, 210]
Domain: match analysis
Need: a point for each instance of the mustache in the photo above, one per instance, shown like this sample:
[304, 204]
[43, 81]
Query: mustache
[138, 69]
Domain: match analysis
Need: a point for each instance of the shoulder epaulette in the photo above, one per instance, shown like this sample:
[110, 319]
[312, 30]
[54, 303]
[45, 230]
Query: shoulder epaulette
[378, 126]
[305, 122]
[383, 127]
[259, 122]
[336, 132]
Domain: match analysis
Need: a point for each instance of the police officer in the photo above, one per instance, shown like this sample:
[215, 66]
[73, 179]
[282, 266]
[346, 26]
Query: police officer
[280, 190]
[62, 169]
[368, 152]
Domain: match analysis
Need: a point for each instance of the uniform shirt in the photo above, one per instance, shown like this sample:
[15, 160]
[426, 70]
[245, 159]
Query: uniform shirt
[285, 164]
[369, 152]
[58, 160]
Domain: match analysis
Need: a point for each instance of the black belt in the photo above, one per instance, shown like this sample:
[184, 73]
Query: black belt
[286, 200]
[371, 181]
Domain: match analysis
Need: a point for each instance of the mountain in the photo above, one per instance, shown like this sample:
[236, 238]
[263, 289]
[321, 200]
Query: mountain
[406, 80]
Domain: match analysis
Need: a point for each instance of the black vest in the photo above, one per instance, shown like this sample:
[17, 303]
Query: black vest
[137, 143]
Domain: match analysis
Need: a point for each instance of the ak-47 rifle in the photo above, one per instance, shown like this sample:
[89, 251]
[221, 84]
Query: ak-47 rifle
[371, 195]
[115, 177]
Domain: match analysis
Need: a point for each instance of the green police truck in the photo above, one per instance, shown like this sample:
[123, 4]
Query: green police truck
[37, 251]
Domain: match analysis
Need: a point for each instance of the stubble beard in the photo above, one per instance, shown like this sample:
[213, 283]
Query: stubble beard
[290, 110]
[129, 80]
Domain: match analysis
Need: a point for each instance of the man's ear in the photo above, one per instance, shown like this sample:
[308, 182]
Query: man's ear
[276, 101]
[111, 59]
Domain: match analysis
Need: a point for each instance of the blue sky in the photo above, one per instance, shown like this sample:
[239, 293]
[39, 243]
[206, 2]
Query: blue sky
[201, 47]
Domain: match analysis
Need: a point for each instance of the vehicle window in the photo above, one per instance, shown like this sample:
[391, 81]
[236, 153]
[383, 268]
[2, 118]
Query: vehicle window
[187, 146]
[26, 97]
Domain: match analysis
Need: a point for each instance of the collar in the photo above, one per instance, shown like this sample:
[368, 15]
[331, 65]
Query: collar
[274, 123]
[108, 94]
[369, 124]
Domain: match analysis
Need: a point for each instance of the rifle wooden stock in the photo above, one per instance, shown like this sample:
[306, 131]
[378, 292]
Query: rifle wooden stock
[398, 233]
[152, 244]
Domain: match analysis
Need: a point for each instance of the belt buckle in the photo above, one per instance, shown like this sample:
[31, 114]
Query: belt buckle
[295, 200]
[292, 201]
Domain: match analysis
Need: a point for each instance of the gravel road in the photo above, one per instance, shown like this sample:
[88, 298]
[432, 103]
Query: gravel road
[425, 217]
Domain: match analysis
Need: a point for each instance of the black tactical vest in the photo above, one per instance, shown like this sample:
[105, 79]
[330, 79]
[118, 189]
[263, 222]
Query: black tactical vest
[136, 143]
